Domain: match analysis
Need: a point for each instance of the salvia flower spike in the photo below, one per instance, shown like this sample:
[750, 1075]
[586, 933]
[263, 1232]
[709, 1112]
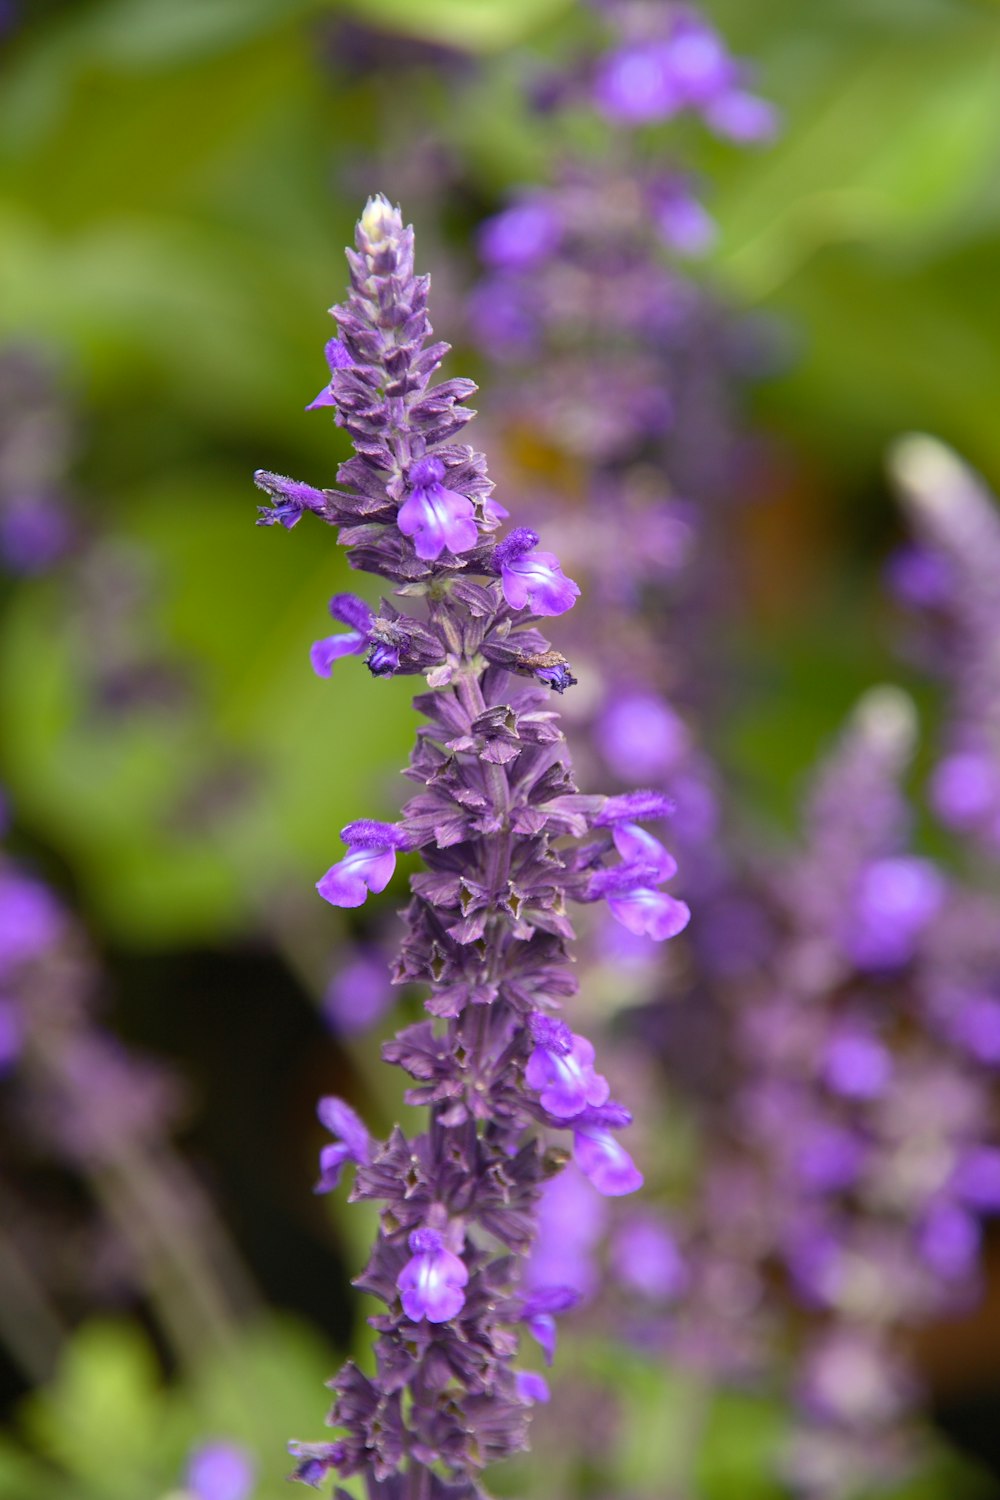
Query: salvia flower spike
[506, 840]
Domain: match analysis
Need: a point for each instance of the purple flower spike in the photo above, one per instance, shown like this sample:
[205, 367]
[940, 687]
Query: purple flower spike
[636, 846]
[649, 913]
[337, 358]
[368, 865]
[432, 1282]
[353, 1143]
[561, 1069]
[533, 579]
[531, 1386]
[438, 520]
[605, 1161]
[220, 1471]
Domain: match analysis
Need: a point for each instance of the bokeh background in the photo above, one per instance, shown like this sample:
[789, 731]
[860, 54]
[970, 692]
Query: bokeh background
[177, 182]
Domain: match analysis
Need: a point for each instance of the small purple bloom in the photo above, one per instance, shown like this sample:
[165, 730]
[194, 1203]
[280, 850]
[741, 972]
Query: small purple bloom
[977, 1028]
[539, 1312]
[570, 1223]
[605, 1161]
[649, 913]
[220, 1471]
[353, 1143]
[30, 920]
[437, 519]
[337, 358]
[857, 1066]
[35, 532]
[316, 1461]
[358, 993]
[432, 1282]
[383, 659]
[634, 86]
[742, 117]
[350, 611]
[636, 846]
[976, 1179]
[684, 224]
[698, 64]
[896, 899]
[368, 865]
[829, 1158]
[949, 1239]
[558, 677]
[520, 237]
[292, 499]
[561, 1069]
[640, 737]
[531, 1386]
[647, 1259]
[530, 578]
[963, 789]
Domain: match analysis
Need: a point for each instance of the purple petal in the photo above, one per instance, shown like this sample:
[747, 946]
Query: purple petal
[531, 1386]
[536, 579]
[438, 520]
[605, 1162]
[636, 846]
[348, 882]
[220, 1471]
[340, 1120]
[323, 654]
[650, 913]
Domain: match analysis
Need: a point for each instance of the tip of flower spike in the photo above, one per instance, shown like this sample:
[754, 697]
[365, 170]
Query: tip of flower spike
[888, 718]
[379, 219]
[928, 472]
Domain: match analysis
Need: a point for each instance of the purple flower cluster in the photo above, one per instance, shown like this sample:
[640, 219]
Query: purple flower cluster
[505, 840]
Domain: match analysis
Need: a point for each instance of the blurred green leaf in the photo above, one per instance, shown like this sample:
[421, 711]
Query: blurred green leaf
[478, 25]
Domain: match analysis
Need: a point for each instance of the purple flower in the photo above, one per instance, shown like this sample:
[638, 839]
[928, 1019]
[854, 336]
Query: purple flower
[368, 865]
[604, 1161]
[647, 1259]
[649, 913]
[684, 224]
[531, 579]
[317, 1461]
[963, 789]
[558, 677]
[35, 533]
[432, 1283]
[829, 1158]
[30, 920]
[742, 117]
[636, 846]
[949, 1239]
[220, 1471]
[561, 1069]
[292, 499]
[531, 1386]
[337, 358]
[352, 611]
[640, 737]
[976, 1027]
[895, 900]
[538, 1312]
[438, 520]
[520, 237]
[358, 994]
[857, 1066]
[976, 1179]
[570, 1224]
[634, 85]
[353, 1143]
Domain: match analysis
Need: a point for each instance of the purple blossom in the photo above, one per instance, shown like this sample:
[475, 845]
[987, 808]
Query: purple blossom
[647, 1259]
[358, 993]
[634, 85]
[649, 913]
[949, 1239]
[220, 1471]
[896, 899]
[531, 1386]
[742, 117]
[438, 520]
[857, 1065]
[561, 1069]
[433, 1281]
[604, 1161]
[640, 737]
[521, 236]
[532, 579]
[30, 920]
[349, 610]
[352, 1142]
[636, 846]
[369, 864]
[976, 1179]
[964, 789]
[316, 1461]
[338, 358]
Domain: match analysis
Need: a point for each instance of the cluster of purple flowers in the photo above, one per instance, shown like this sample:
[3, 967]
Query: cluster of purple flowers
[505, 840]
